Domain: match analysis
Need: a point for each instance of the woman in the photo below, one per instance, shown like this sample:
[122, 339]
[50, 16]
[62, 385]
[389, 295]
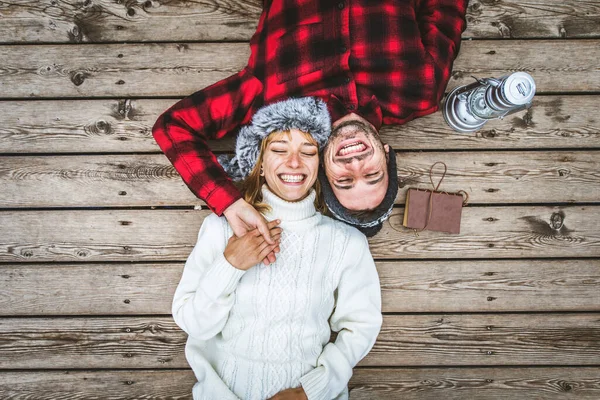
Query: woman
[259, 331]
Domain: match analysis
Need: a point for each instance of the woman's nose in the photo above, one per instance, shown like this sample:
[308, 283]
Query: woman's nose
[294, 160]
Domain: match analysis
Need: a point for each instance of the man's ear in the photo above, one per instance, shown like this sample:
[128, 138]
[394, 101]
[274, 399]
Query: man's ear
[386, 148]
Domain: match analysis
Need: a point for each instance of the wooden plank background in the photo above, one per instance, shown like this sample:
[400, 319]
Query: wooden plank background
[95, 224]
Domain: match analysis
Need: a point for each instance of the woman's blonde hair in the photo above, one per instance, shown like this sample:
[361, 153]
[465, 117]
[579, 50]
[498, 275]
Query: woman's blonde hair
[251, 186]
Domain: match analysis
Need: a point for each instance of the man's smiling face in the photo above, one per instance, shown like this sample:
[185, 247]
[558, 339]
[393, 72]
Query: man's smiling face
[355, 163]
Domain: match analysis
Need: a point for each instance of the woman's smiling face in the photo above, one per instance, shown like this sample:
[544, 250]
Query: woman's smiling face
[290, 164]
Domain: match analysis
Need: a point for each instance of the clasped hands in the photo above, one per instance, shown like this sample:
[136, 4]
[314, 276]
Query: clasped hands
[244, 219]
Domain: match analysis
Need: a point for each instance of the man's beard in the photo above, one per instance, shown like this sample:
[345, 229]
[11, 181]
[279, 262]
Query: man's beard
[359, 126]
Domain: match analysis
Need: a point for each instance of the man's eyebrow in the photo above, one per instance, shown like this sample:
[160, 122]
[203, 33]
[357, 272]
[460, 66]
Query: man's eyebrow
[343, 187]
[376, 181]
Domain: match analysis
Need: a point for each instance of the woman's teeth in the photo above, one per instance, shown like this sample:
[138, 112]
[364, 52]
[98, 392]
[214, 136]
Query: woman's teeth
[352, 148]
[291, 178]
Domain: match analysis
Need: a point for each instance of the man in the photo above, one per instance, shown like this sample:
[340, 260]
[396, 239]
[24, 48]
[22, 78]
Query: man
[373, 62]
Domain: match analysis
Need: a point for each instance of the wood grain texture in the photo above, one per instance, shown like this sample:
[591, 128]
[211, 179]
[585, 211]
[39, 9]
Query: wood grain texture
[88, 289]
[151, 180]
[171, 69]
[487, 339]
[475, 384]
[366, 384]
[488, 286]
[152, 235]
[497, 232]
[532, 19]
[215, 20]
[406, 286]
[108, 385]
[85, 126]
[405, 340]
[72, 21]
[552, 122]
[124, 125]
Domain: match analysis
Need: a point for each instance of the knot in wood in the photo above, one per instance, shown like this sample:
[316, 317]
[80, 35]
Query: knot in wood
[76, 34]
[78, 77]
[557, 220]
[27, 253]
[488, 134]
[565, 386]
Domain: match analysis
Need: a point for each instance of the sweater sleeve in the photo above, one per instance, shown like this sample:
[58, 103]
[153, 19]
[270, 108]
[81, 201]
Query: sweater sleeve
[357, 319]
[182, 132]
[441, 23]
[205, 295]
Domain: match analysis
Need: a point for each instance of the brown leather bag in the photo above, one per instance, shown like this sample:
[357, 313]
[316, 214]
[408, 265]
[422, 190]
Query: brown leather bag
[432, 209]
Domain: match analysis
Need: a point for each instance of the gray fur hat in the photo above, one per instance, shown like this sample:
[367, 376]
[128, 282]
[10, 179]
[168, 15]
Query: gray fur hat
[308, 114]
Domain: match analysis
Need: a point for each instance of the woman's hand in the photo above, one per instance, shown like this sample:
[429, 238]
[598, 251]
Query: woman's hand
[250, 249]
[290, 394]
[242, 218]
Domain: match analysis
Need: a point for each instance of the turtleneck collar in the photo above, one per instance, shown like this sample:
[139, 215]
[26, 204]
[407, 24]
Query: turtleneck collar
[288, 211]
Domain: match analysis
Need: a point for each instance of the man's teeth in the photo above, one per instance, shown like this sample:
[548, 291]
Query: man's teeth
[352, 148]
[291, 178]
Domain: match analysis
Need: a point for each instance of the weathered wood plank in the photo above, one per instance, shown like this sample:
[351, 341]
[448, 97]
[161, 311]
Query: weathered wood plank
[151, 235]
[64, 126]
[487, 339]
[112, 385]
[532, 19]
[485, 286]
[106, 21]
[138, 20]
[405, 340]
[180, 69]
[150, 180]
[552, 122]
[406, 286]
[497, 232]
[369, 384]
[475, 384]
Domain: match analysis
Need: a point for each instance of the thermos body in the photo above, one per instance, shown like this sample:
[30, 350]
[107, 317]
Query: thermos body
[467, 108]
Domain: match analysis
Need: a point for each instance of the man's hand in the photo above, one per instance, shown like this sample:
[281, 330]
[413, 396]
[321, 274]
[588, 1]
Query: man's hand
[246, 251]
[243, 218]
[290, 394]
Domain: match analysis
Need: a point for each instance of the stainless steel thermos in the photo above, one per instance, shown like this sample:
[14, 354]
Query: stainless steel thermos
[467, 108]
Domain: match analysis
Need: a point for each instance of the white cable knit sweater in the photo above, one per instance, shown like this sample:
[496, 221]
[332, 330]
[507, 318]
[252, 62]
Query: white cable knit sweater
[254, 333]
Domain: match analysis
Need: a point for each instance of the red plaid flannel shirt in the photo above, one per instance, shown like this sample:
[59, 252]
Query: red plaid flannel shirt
[387, 60]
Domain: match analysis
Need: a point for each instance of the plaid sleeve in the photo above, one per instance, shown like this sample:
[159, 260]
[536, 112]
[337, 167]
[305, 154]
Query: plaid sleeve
[182, 132]
[441, 23]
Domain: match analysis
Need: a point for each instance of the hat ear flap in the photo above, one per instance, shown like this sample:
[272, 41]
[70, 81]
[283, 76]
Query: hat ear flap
[231, 166]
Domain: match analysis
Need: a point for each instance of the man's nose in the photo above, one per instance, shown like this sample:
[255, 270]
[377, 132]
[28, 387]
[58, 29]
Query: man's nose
[354, 164]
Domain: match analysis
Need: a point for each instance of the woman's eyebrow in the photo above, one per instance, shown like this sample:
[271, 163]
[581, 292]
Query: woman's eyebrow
[309, 144]
[280, 141]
